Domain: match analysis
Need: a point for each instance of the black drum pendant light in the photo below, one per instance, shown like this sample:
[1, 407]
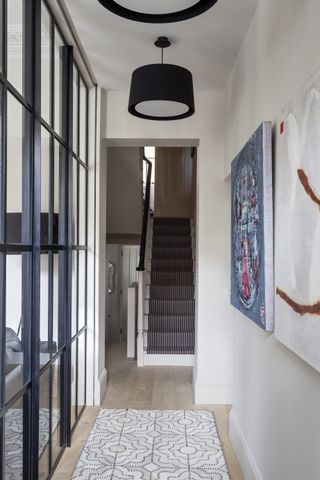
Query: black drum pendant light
[158, 11]
[161, 91]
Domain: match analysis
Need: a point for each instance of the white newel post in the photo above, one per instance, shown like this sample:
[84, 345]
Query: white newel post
[140, 353]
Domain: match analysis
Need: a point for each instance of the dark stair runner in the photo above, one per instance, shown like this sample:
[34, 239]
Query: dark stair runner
[171, 304]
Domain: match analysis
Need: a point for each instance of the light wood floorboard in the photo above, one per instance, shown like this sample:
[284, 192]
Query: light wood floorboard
[165, 388]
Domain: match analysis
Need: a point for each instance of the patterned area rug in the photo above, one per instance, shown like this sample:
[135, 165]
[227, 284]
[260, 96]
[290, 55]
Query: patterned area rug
[153, 445]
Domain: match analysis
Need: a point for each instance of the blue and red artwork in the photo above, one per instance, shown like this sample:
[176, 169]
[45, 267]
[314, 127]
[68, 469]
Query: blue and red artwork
[252, 286]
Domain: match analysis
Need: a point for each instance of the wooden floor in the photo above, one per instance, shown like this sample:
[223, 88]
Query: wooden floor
[145, 388]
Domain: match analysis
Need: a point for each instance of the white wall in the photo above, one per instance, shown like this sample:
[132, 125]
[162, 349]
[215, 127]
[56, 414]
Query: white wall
[275, 422]
[212, 376]
[124, 191]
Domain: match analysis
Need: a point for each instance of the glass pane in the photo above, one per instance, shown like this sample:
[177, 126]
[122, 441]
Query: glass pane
[44, 310]
[58, 43]
[13, 444]
[45, 185]
[75, 203]
[1, 35]
[44, 425]
[58, 152]
[81, 371]
[14, 326]
[2, 229]
[82, 289]
[74, 292]
[15, 46]
[45, 64]
[75, 110]
[83, 122]
[82, 205]
[14, 169]
[56, 413]
[73, 381]
[55, 326]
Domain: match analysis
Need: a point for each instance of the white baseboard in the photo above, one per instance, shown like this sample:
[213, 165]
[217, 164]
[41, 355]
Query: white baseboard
[212, 393]
[169, 360]
[242, 450]
[102, 385]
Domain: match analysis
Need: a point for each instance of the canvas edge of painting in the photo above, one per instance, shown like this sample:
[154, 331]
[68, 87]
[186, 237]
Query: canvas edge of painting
[268, 227]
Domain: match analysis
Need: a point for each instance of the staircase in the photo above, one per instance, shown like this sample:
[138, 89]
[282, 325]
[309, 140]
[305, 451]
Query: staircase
[170, 292]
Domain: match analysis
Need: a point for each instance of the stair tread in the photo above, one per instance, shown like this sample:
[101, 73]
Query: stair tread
[172, 265]
[179, 278]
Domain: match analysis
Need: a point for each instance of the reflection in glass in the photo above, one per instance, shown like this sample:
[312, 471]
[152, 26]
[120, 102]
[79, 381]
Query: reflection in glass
[56, 413]
[45, 64]
[83, 122]
[14, 326]
[74, 292]
[15, 48]
[82, 206]
[75, 203]
[45, 185]
[58, 152]
[2, 229]
[58, 43]
[55, 319]
[75, 110]
[44, 425]
[73, 382]
[13, 442]
[82, 290]
[81, 371]
[44, 310]
[14, 168]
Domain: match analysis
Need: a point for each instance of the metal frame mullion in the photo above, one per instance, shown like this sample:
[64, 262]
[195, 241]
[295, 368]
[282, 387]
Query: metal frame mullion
[3, 201]
[66, 237]
[3, 136]
[78, 114]
[35, 331]
[29, 30]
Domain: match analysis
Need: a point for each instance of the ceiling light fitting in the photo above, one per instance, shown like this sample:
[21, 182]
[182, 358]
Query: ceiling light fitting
[161, 91]
[158, 11]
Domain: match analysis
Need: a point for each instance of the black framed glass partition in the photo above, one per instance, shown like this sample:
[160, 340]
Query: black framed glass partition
[43, 240]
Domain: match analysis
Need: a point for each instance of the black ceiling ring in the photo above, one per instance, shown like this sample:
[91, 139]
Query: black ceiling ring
[197, 9]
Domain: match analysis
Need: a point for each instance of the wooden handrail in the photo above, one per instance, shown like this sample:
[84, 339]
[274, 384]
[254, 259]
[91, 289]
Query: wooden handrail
[146, 213]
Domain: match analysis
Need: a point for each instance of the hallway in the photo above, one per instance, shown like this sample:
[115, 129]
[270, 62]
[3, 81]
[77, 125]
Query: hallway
[163, 388]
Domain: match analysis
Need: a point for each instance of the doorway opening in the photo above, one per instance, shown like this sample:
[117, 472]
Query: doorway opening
[173, 204]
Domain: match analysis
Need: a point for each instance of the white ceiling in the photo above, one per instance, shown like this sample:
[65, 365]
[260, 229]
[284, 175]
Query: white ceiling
[207, 45]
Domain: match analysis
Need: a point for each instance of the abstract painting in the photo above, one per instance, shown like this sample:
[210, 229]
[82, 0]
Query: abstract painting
[252, 283]
[298, 225]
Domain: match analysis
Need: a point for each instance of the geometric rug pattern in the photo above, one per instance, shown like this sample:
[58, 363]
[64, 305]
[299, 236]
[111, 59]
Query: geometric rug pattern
[14, 438]
[152, 445]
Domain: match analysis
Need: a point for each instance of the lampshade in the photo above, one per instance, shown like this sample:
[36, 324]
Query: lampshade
[161, 92]
[158, 11]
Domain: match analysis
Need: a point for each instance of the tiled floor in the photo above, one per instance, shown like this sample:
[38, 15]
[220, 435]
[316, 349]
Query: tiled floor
[145, 388]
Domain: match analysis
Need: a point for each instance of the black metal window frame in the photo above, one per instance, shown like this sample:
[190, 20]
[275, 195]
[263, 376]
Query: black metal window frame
[31, 247]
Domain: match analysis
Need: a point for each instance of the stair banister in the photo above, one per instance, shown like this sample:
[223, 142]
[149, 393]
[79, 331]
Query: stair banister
[141, 267]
